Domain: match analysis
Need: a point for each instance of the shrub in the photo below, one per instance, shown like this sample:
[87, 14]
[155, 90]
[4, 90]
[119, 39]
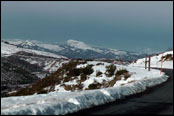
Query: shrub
[121, 72]
[167, 57]
[126, 76]
[69, 66]
[66, 79]
[134, 61]
[83, 77]
[79, 59]
[68, 87]
[87, 70]
[112, 82]
[75, 72]
[94, 85]
[72, 87]
[56, 78]
[118, 76]
[77, 87]
[110, 70]
[83, 62]
[89, 59]
[43, 91]
[99, 64]
[104, 84]
[98, 73]
[80, 86]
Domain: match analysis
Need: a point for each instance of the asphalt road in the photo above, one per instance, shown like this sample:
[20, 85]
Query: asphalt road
[155, 100]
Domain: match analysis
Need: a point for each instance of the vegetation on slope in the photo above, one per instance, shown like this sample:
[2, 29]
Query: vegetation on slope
[69, 72]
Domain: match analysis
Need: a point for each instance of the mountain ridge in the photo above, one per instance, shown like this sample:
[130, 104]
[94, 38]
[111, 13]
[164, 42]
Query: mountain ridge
[77, 49]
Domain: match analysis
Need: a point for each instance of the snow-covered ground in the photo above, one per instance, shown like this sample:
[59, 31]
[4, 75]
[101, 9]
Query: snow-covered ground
[137, 74]
[156, 61]
[64, 102]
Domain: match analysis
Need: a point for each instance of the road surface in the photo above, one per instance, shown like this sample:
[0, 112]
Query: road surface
[155, 100]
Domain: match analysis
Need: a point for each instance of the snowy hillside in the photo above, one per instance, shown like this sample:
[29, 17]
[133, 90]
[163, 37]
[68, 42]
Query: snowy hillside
[14, 75]
[53, 47]
[156, 61]
[63, 101]
[77, 49]
[21, 66]
[28, 44]
[103, 78]
[9, 49]
[48, 61]
[81, 45]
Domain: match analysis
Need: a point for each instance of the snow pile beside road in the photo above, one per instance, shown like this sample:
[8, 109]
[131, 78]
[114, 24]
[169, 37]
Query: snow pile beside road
[156, 61]
[57, 103]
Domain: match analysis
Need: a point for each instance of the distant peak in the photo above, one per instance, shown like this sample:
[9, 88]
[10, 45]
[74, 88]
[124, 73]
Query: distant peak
[74, 42]
[28, 43]
[81, 45]
[78, 44]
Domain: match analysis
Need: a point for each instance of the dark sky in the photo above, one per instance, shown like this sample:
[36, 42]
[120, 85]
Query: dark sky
[133, 26]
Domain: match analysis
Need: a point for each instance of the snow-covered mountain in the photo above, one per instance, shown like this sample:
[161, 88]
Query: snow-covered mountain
[77, 49]
[48, 61]
[8, 49]
[30, 45]
[156, 60]
[81, 45]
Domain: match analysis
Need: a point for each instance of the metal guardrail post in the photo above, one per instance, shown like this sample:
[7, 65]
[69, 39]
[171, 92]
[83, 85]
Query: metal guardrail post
[149, 64]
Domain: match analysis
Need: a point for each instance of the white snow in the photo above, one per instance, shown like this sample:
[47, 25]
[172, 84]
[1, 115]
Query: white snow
[28, 43]
[7, 50]
[155, 61]
[74, 101]
[81, 45]
[53, 47]
[59, 88]
[60, 103]
[53, 65]
[116, 52]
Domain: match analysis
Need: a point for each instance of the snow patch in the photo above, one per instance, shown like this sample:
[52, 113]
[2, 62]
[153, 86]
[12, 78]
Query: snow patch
[74, 101]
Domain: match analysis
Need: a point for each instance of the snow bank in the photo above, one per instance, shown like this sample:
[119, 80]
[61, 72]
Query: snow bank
[60, 103]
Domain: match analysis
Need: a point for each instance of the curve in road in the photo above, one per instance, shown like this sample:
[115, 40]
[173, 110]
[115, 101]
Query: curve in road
[155, 100]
